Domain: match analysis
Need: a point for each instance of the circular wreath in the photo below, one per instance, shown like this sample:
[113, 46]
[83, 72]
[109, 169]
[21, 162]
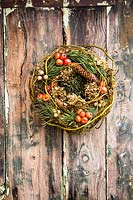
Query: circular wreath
[72, 87]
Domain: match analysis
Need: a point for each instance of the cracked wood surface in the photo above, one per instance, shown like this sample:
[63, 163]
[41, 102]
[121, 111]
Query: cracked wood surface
[120, 120]
[86, 3]
[84, 155]
[31, 3]
[34, 154]
[55, 3]
[97, 165]
[2, 118]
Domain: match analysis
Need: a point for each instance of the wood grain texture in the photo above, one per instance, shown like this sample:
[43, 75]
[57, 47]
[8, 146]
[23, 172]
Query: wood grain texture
[7, 3]
[34, 153]
[55, 3]
[85, 3]
[30, 3]
[84, 155]
[2, 123]
[120, 120]
[48, 3]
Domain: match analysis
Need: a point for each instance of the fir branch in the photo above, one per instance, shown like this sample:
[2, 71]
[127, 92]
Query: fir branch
[92, 110]
[102, 71]
[67, 118]
[44, 110]
[53, 70]
[85, 60]
[51, 63]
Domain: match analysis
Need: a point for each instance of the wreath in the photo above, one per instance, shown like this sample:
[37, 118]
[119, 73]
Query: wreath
[72, 87]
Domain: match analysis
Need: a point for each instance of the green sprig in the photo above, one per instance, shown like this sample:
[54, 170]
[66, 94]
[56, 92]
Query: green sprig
[85, 60]
[53, 69]
[67, 118]
[44, 110]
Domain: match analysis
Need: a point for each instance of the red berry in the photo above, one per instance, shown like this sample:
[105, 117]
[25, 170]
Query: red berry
[79, 111]
[57, 55]
[59, 62]
[63, 56]
[82, 114]
[88, 115]
[84, 120]
[40, 96]
[67, 61]
[78, 118]
[46, 97]
[103, 90]
[48, 88]
[102, 83]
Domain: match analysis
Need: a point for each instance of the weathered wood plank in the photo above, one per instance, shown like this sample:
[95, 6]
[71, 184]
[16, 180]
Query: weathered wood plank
[34, 154]
[2, 123]
[55, 3]
[84, 155]
[79, 3]
[30, 3]
[9, 3]
[120, 120]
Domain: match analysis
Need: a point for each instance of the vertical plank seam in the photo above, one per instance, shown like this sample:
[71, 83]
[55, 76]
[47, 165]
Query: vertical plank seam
[105, 144]
[63, 27]
[62, 132]
[4, 98]
[106, 121]
[106, 46]
[106, 157]
[62, 157]
[4, 103]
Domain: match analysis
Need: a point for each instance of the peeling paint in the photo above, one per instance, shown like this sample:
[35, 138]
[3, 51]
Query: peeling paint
[108, 10]
[28, 3]
[6, 102]
[4, 190]
[19, 24]
[65, 3]
[108, 31]
[64, 182]
[104, 3]
[109, 150]
[48, 9]
[66, 15]
[77, 1]
[6, 13]
[9, 10]
[64, 145]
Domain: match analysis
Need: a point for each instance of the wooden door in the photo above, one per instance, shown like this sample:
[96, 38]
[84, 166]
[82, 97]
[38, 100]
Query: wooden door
[46, 163]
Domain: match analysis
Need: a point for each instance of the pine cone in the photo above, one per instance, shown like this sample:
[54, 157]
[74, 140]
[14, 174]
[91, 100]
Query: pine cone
[87, 75]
